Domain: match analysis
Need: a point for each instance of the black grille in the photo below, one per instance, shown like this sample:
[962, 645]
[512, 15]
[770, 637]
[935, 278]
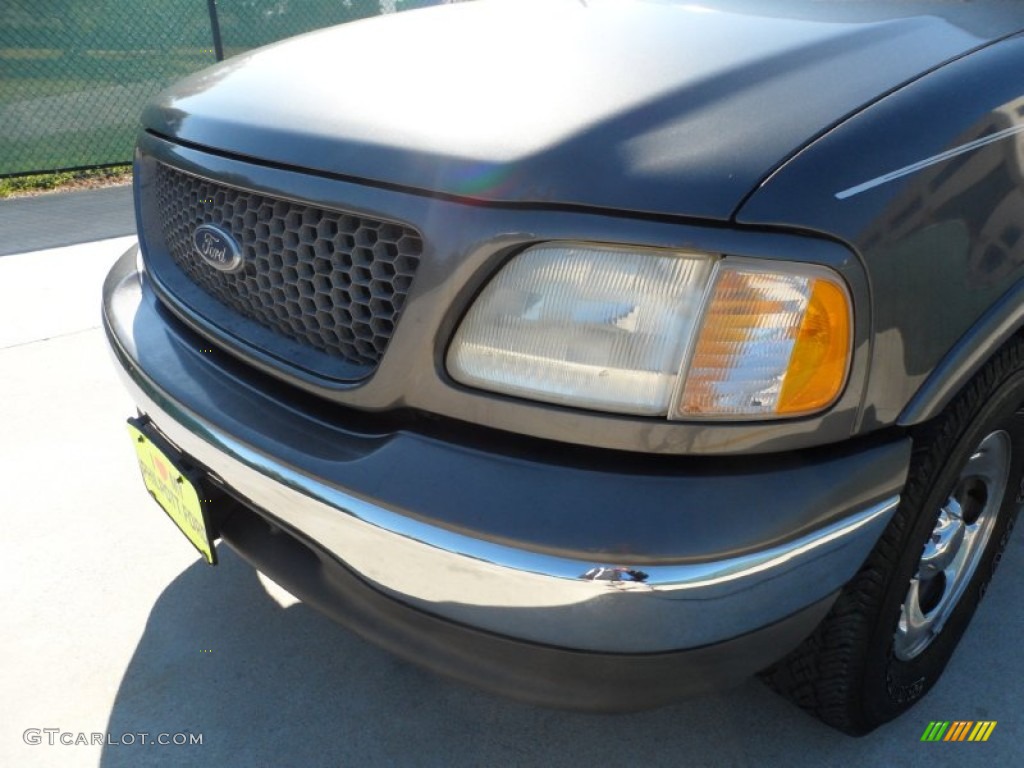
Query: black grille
[334, 281]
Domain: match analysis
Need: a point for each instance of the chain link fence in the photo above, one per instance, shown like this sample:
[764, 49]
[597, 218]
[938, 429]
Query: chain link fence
[75, 74]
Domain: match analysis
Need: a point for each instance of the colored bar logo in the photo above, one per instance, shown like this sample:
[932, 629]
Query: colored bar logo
[958, 730]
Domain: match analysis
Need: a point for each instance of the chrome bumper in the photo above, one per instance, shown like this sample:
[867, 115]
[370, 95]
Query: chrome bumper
[574, 603]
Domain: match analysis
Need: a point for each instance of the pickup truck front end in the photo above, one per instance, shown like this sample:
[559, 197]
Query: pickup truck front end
[481, 360]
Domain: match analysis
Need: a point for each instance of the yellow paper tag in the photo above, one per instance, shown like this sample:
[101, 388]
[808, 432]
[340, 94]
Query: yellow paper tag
[174, 492]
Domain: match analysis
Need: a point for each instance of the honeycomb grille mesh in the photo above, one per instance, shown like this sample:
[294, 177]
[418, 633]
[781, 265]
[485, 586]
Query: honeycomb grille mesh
[335, 281]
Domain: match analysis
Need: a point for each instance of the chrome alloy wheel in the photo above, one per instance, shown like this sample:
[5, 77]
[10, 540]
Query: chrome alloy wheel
[955, 547]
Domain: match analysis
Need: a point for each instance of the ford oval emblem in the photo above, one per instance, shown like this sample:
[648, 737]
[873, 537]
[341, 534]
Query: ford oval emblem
[217, 248]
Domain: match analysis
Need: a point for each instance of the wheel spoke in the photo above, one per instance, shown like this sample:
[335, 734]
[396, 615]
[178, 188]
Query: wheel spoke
[945, 541]
[914, 628]
[953, 510]
[989, 462]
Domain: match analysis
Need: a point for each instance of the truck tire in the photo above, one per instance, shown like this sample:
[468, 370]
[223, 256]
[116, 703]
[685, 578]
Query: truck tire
[896, 624]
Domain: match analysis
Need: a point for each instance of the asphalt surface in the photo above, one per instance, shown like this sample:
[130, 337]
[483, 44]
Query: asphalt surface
[113, 626]
[65, 218]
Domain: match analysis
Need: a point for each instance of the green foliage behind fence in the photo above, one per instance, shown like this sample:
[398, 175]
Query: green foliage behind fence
[75, 74]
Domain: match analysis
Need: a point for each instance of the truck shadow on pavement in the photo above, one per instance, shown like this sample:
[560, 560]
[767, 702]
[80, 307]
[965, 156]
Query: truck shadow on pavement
[264, 684]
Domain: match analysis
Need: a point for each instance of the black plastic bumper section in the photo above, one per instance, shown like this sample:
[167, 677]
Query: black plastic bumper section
[537, 674]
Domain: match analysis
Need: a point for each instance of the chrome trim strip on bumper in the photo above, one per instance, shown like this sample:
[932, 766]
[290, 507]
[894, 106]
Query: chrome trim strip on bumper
[533, 596]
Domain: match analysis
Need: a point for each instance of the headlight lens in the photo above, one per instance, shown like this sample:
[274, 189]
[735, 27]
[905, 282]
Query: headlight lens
[653, 332]
[584, 326]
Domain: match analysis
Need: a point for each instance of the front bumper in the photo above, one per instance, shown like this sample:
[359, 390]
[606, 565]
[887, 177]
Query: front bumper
[590, 554]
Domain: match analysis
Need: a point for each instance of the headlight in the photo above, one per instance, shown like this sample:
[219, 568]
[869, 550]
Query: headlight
[580, 325]
[657, 332]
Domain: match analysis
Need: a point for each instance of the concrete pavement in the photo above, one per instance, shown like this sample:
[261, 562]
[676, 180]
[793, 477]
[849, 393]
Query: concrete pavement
[113, 625]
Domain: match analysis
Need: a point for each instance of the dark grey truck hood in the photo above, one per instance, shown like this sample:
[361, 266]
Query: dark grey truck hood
[659, 107]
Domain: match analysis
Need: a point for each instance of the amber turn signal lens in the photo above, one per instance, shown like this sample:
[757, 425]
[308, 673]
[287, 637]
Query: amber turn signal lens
[817, 365]
[771, 342]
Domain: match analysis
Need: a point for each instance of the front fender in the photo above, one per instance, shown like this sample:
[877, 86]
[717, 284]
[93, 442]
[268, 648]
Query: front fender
[927, 186]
